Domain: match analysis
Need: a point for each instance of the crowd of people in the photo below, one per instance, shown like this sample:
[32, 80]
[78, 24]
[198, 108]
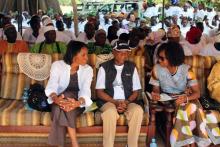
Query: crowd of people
[188, 30]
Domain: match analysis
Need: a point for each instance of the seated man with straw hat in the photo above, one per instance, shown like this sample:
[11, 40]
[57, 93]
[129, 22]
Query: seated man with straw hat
[117, 88]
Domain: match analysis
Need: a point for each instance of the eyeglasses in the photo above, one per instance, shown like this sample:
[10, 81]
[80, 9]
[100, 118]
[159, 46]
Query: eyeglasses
[162, 58]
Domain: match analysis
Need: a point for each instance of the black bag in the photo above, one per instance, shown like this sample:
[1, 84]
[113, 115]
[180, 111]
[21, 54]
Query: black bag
[37, 98]
[209, 103]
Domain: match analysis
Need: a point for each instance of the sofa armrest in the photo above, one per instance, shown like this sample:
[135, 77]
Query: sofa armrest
[146, 106]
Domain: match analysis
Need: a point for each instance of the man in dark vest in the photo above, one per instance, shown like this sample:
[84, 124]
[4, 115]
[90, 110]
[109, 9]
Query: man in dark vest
[117, 88]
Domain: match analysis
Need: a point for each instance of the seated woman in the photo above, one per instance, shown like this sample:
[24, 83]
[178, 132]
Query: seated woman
[49, 45]
[100, 48]
[213, 116]
[11, 44]
[173, 77]
[68, 90]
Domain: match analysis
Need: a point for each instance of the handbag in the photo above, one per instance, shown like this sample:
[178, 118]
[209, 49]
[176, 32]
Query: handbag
[209, 103]
[37, 98]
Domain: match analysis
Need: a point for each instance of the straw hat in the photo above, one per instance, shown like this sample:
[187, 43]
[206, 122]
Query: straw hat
[48, 28]
[35, 66]
[47, 22]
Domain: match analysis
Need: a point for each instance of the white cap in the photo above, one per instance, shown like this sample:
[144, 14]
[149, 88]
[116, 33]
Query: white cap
[48, 28]
[120, 31]
[44, 17]
[47, 21]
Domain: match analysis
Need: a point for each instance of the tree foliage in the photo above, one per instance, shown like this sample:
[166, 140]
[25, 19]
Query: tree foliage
[65, 2]
[215, 3]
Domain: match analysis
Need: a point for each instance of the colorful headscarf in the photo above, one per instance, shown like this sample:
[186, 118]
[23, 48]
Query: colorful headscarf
[193, 35]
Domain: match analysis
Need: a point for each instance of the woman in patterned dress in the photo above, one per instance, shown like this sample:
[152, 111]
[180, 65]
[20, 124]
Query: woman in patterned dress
[173, 77]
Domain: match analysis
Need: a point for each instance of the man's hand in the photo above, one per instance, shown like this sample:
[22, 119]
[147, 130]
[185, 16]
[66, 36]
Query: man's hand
[121, 106]
[155, 96]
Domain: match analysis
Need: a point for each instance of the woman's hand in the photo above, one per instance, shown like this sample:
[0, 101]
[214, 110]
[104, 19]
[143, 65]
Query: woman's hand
[59, 100]
[188, 91]
[66, 104]
[181, 100]
[155, 96]
[71, 104]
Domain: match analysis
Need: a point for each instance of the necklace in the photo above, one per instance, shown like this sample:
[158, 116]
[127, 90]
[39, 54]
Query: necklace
[172, 74]
[171, 71]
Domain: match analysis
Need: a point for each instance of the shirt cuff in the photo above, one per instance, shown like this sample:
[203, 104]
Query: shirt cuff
[88, 101]
[154, 82]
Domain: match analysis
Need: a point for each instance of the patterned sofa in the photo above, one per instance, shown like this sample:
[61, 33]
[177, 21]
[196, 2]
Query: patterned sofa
[16, 121]
[201, 66]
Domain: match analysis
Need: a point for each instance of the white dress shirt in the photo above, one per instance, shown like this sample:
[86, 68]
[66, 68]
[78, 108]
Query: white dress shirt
[60, 77]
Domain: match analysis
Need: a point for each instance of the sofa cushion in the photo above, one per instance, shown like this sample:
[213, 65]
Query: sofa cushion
[201, 66]
[90, 119]
[13, 113]
[10, 64]
[13, 80]
[140, 65]
[83, 120]
[92, 62]
[12, 85]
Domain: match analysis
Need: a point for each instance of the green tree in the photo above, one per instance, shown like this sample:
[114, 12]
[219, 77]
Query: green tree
[65, 2]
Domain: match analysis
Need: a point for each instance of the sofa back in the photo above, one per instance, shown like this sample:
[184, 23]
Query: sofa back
[14, 81]
[201, 66]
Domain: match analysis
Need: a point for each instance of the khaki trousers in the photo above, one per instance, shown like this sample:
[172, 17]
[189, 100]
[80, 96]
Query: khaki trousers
[134, 115]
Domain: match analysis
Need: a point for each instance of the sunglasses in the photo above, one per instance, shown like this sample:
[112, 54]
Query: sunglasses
[162, 58]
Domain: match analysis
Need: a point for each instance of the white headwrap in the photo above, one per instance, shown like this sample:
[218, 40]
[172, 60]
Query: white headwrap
[47, 21]
[48, 28]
